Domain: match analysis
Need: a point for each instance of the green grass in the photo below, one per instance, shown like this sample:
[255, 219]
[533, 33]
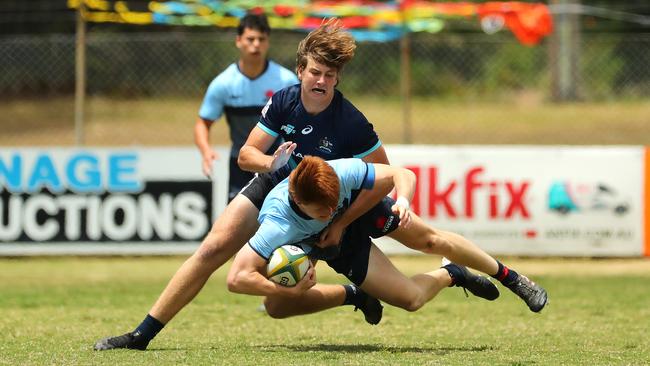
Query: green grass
[53, 309]
[526, 119]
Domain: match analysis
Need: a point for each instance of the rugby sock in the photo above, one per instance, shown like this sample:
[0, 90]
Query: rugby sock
[149, 327]
[505, 275]
[351, 293]
[456, 274]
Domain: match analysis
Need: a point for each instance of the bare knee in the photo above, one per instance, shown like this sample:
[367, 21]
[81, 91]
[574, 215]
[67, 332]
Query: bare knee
[410, 302]
[215, 250]
[436, 244]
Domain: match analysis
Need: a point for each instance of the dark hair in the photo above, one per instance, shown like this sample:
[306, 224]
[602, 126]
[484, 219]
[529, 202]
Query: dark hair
[254, 21]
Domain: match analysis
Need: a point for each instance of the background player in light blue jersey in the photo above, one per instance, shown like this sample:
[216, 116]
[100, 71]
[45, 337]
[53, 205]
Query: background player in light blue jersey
[317, 191]
[240, 92]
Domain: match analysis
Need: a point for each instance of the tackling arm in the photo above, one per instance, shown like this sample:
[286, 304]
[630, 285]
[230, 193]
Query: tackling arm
[252, 157]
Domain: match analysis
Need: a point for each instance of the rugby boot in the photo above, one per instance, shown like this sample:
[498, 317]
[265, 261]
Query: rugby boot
[533, 294]
[131, 340]
[478, 285]
[370, 307]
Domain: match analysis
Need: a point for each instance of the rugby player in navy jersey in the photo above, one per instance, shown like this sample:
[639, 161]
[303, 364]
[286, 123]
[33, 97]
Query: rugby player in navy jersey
[330, 127]
[240, 92]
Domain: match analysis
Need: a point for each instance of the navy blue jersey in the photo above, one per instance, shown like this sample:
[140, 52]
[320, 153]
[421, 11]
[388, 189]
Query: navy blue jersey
[340, 131]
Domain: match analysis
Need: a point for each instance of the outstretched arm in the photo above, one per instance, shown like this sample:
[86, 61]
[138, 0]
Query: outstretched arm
[252, 157]
[246, 277]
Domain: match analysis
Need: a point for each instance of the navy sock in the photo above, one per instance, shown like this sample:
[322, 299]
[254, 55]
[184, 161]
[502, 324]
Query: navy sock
[456, 274]
[351, 294]
[505, 275]
[149, 327]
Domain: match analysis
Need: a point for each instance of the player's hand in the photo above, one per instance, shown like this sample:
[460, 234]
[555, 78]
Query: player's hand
[282, 154]
[208, 160]
[331, 235]
[402, 208]
[305, 284]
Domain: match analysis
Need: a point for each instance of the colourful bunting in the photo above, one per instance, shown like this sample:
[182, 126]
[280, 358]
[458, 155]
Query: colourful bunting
[367, 20]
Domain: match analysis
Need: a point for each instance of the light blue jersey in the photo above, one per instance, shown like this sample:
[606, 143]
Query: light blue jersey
[242, 98]
[281, 224]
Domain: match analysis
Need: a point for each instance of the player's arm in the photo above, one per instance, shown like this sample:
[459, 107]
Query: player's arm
[386, 178]
[246, 276]
[252, 157]
[202, 141]
[378, 156]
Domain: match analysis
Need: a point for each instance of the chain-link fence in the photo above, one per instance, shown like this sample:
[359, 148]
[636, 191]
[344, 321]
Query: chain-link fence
[145, 88]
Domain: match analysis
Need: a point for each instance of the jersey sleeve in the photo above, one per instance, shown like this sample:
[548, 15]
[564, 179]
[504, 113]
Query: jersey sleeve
[272, 234]
[354, 174]
[272, 115]
[213, 101]
[362, 139]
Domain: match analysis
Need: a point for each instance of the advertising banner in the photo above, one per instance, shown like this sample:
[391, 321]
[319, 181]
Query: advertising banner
[509, 200]
[527, 200]
[102, 200]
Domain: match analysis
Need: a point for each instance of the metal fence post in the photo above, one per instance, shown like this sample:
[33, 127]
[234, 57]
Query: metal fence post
[80, 77]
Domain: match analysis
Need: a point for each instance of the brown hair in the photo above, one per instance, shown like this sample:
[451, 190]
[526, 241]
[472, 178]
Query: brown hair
[329, 44]
[314, 181]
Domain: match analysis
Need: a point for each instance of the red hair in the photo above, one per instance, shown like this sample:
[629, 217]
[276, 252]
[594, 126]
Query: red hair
[314, 181]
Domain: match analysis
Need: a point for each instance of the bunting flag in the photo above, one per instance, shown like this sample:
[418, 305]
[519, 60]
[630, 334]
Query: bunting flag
[366, 20]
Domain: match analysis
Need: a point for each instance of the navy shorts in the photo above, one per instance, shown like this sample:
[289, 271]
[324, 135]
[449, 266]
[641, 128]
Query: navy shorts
[262, 183]
[352, 261]
[238, 178]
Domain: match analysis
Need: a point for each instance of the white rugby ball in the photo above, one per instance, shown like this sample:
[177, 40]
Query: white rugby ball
[288, 265]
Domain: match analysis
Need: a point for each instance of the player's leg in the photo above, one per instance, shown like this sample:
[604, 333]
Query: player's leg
[460, 250]
[229, 233]
[385, 282]
[322, 297]
[420, 236]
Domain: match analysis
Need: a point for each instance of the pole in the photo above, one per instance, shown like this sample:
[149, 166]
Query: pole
[405, 86]
[80, 77]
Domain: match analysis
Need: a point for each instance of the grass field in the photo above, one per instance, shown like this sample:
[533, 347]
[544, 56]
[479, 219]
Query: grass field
[53, 309]
[525, 120]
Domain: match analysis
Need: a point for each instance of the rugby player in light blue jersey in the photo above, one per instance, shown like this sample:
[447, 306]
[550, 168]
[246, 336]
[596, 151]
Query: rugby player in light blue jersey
[315, 194]
[240, 92]
[303, 205]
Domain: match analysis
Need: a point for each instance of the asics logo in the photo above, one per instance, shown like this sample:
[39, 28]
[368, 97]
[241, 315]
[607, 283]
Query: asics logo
[307, 130]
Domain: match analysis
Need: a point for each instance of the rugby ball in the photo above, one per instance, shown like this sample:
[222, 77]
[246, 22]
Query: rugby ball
[288, 265]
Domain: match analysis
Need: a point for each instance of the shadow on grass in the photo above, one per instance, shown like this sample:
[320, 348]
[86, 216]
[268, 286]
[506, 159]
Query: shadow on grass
[368, 348]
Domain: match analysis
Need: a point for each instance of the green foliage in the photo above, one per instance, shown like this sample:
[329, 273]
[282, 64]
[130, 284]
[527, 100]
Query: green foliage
[54, 309]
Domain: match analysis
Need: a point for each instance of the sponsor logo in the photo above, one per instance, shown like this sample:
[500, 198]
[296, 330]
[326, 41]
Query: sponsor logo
[325, 145]
[307, 130]
[288, 129]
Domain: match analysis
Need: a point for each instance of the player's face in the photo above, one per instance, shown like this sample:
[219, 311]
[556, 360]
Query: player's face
[317, 211]
[317, 82]
[253, 43]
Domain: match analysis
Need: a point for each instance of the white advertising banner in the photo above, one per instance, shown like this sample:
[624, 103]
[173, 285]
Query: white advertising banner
[518, 200]
[111, 201]
[527, 200]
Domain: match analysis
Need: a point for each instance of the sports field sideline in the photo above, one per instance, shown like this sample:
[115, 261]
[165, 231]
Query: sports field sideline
[53, 309]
